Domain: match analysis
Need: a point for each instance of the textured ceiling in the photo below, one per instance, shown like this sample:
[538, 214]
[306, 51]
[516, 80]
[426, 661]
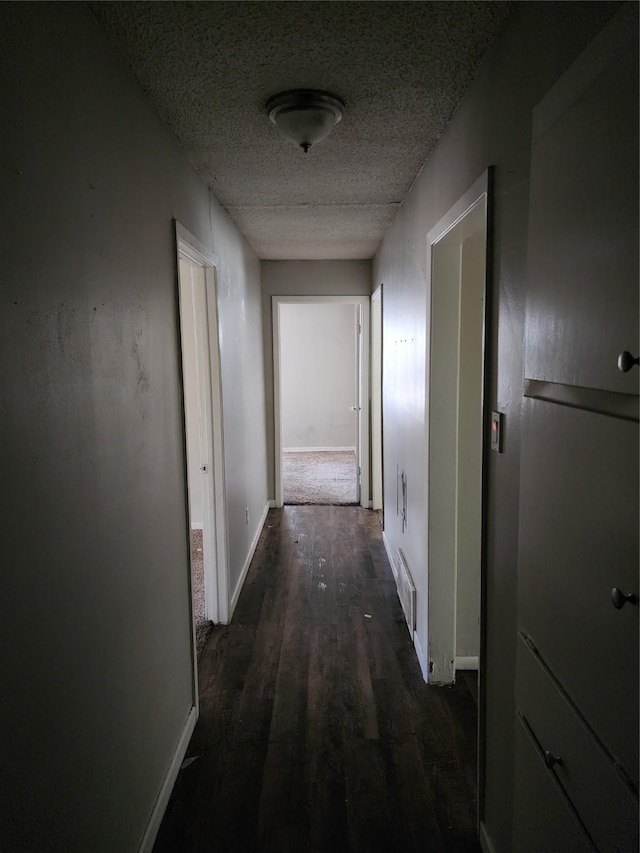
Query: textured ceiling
[400, 67]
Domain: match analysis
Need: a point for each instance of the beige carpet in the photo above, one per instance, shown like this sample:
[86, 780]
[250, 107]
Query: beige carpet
[203, 625]
[321, 477]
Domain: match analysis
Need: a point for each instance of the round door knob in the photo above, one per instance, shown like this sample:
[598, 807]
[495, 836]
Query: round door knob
[619, 598]
[550, 759]
[626, 361]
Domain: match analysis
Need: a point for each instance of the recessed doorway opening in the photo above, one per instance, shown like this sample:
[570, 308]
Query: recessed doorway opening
[457, 249]
[321, 400]
[202, 400]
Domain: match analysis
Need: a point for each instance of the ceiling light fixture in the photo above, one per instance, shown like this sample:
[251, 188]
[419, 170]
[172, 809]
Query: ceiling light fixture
[305, 116]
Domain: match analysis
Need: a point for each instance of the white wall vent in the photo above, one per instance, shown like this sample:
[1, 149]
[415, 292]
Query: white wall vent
[406, 590]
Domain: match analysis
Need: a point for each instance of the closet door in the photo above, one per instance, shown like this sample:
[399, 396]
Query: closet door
[578, 537]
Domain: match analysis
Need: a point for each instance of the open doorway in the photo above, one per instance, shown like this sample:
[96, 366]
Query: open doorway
[457, 249]
[203, 434]
[321, 400]
[377, 501]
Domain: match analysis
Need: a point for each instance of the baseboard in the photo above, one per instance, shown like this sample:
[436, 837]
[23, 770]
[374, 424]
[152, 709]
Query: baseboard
[196, 525]
[272, 503]
[318, 449]
[387, 548]
[485, 841]
[151, 831]
[422, 660]
[247, 563]
[469, 662]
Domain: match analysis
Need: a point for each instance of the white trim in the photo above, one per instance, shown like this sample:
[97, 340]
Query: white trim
[196, 525]
[272, 503]
[216, 588]
[247, 562]
[376, 396]
[485, 840]
[387, 548]
[160, 805]
[441, 630]
[363, 390]
[422, 660]
[193, 248]
[318, 449]
[469, 662]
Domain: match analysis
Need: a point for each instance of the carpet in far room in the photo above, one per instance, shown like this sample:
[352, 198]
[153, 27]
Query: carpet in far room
[202, 624]
[320, 477]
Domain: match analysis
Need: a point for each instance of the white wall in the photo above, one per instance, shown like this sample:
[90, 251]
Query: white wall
[318, 376]
[491, 127]
[302, 278]
[96, 669]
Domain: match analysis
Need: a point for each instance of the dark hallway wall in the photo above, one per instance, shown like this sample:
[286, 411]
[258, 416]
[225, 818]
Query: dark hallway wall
[96, 668]
[491, 128]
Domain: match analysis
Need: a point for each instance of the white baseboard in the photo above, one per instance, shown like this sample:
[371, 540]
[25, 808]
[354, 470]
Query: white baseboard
[247, 563]
[272, 503]
[469, 662]
[318, 449]
[422, 660]
[149, 837]
[196, 525]
[485, 841]
[387, 548]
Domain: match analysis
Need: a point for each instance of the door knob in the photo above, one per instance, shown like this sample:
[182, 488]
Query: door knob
[626, 361]
[619, 598]
[355, 408]
[550, 759]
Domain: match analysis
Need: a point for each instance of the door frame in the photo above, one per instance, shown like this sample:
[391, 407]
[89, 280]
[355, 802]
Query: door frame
[441, 546]
[377, 374]
[216, 573]
[362, 390]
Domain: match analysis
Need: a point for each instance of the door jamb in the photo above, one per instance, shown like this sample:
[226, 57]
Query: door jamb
[477, 194]
[193, 249]
[377, 296]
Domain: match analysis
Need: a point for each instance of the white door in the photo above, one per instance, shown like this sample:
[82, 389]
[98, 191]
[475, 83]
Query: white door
[199, 439]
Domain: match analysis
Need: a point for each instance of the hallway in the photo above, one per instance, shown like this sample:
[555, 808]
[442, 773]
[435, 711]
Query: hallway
[316, 729]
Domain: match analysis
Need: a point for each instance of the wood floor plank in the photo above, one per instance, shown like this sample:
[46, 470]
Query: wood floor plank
[317, 733]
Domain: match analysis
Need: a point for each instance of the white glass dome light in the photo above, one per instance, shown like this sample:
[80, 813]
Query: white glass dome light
[305, 116]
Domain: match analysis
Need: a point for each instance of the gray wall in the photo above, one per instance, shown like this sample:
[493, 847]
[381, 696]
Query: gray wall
[96, 636]
[492, 126]
[302, 278]
[318, 375]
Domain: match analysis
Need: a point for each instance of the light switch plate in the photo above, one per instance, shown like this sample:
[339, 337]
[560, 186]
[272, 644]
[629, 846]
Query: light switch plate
[496, 431]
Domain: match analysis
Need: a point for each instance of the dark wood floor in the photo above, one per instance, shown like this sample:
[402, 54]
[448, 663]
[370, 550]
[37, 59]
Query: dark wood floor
[316, 731]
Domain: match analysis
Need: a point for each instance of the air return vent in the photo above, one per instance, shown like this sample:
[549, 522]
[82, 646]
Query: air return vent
[406, 591]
